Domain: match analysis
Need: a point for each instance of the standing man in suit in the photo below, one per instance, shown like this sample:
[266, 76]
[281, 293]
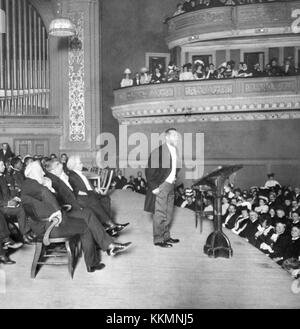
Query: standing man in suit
[161, 175]
[6, 153]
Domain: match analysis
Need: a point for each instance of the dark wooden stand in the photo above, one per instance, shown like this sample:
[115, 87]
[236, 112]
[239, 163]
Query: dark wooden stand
[217, 243]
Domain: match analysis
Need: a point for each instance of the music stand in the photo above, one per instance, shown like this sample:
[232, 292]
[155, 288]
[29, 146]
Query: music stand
[217, 243]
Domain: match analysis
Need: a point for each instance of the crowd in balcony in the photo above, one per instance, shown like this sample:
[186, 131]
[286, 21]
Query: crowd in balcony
[268, 217]
[199, 71]
[192, 5]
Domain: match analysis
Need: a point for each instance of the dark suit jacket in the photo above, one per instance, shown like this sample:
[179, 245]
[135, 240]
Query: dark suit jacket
[158, 170]
[41, 200]
[6, 156]
[77, 183]
[4, 191]
[64, 194]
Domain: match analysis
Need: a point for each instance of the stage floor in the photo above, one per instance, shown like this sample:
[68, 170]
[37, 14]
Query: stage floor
[146, 276]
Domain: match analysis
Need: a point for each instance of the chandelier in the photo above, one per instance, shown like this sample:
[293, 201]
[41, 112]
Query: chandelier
[61, 26]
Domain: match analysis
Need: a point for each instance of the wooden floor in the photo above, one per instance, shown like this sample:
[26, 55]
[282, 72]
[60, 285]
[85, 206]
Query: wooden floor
[152, 277]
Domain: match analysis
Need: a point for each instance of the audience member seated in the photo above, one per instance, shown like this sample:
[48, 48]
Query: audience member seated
[275, 245]
[145, 76]
[251, 227]
[189, 199]
[157, 76]
[263, 207]
[212, 73]
[126, 81]
[137, 79]
[297, 194]
[230, 72]
[179, 195]
[130, 184]
[119, 180]
[12, 206]
[244, 72]
[63, 161]
[241, 222]
[187, 73]
[225, 205]
[271, 182]
[187, 6]
[140, 183]
[18, 174]
[209, 208]
[172, 73]
[288, 67]
[257, 71]
[274, 68]
[92, 233]
[199, 73]
[292, 261]
[179, 10]
[87, 197]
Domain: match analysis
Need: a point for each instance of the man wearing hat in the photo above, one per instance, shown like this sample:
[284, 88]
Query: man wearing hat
[271, 182]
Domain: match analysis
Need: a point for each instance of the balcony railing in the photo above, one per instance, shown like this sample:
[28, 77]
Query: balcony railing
[248, 20]
[224, 3]
[242, 97]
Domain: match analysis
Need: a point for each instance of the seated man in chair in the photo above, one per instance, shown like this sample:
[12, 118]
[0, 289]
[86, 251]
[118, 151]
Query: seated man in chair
[11, 206]
[87, 197]
[36, 192]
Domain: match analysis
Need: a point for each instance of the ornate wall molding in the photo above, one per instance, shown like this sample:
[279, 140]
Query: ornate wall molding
[76, 81]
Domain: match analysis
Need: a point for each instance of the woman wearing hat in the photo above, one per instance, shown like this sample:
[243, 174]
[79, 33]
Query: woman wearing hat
[199, 73]
[127, 81]
[263, 207]
[187, 73]
[145, 76]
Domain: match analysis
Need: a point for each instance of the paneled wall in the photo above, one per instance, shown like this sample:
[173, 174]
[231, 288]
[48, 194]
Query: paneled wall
[130, 28]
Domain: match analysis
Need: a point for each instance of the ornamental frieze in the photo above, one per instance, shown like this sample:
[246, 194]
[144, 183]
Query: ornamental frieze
[269, 86]
[146, 93]
[221, 89]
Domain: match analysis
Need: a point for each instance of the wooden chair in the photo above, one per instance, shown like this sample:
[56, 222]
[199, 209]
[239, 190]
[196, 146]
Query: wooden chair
[105, 180]
[48, 248]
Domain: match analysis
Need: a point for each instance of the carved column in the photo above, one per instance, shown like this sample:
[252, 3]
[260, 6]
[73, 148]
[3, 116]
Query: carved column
[81, 109]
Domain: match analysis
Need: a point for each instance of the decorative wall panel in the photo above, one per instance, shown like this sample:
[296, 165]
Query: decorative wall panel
[76, 81]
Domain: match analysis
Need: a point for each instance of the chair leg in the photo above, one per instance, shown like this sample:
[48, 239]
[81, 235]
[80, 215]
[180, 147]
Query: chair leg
[36, 258]
[70, 258]
[79, 246]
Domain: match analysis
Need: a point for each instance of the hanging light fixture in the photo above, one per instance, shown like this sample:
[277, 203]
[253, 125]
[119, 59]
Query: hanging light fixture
[2, 21]
[61, 26]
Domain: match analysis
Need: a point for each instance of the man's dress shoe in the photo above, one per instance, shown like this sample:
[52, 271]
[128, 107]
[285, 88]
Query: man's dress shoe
[97, 267]
[117, 248]
[120, 227]
[12, 244]
[112, 231]
[163, 244]
[171, 240]
[6, 260]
